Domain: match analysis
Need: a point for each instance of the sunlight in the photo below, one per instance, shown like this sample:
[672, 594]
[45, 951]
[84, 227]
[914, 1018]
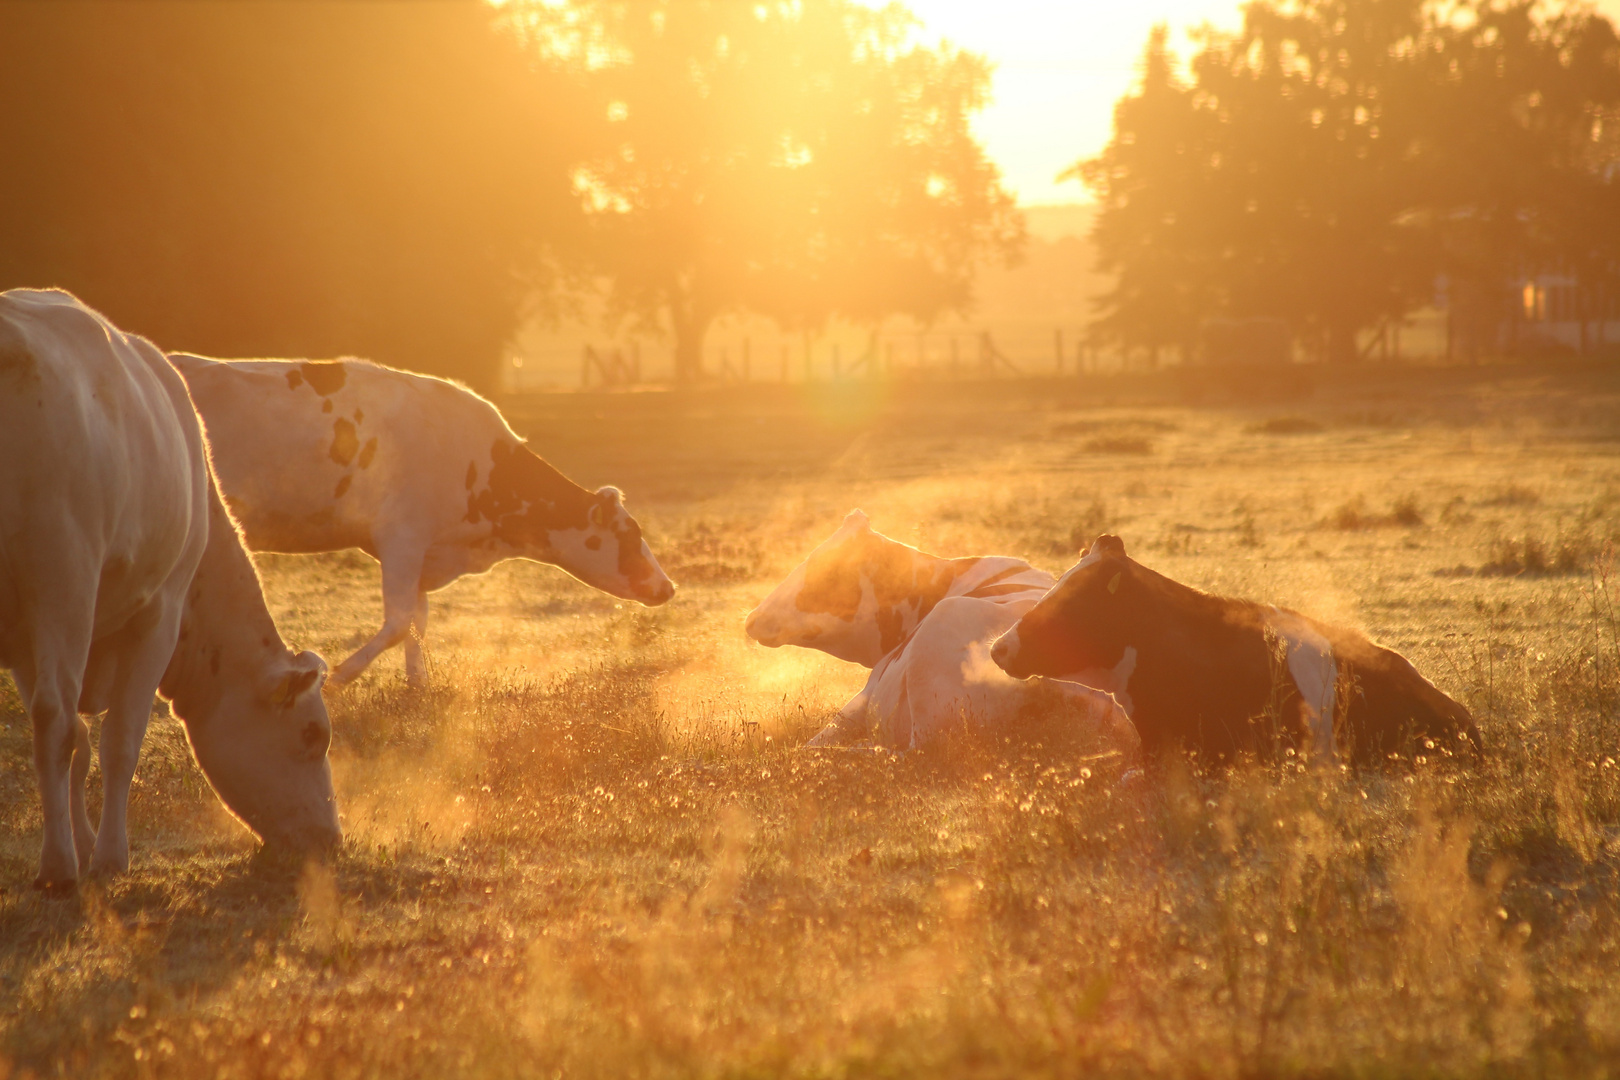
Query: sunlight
[1060, 66]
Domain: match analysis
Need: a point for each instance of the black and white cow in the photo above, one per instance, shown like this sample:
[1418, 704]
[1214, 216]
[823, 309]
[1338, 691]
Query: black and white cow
[924, 625]
[421, 474]
[1223, 676]
[121, 571]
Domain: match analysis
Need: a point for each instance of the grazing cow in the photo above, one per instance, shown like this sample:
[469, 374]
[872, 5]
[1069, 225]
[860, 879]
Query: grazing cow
[121, 570]
[924, 625]
[1223, 676]
[419, 473]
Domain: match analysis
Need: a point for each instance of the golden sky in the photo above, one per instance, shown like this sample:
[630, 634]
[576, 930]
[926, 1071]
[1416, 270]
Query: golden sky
[1060, 66]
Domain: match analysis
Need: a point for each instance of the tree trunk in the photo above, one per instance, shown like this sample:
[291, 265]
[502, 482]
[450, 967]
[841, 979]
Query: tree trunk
[690, 330]
[1342, 345]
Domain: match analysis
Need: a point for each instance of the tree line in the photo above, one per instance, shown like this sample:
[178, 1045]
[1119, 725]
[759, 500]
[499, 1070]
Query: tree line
[1337, 164]
[409, 181]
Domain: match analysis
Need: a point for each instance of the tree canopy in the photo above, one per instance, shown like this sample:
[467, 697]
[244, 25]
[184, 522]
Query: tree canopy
[284, 177]
[1334, 160]
[795, 158]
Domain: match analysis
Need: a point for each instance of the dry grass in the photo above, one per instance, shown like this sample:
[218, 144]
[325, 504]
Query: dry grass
[591, 847]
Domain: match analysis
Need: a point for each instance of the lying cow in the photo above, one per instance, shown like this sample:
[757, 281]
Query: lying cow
[120, 570]
[1222, 676]
[419, 473]
[924, 625]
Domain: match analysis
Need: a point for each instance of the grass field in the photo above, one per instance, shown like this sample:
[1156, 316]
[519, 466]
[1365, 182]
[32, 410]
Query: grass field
[591, 847]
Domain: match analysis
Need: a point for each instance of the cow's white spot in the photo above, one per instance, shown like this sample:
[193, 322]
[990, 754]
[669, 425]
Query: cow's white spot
[1315, 673]
[1115, 680]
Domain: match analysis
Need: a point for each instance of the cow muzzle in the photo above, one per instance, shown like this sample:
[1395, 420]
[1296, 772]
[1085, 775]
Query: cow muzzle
[1005, 654]
[657, 593]
[754, 626]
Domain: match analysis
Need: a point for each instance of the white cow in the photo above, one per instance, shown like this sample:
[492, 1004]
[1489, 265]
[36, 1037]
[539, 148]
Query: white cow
[924, 625]
[421, 474]
[120, 570]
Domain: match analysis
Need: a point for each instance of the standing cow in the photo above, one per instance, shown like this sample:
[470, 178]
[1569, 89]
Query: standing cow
[419, 473]
[120, 570]
[924, 625]
[1224, 676]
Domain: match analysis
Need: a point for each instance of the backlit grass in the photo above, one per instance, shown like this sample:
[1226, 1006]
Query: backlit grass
[592, 847]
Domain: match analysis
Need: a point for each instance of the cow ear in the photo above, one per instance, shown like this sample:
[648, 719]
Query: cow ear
[594, 514]
[1107, 545]
[306, 672]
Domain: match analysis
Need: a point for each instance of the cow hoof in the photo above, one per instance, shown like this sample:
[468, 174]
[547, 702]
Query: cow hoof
[56, 890]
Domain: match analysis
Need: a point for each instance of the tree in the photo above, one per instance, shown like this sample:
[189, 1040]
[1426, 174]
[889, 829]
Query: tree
[1151, 232]
[1523, 148]
[1330, 161]
[284, 178]
[796, 158]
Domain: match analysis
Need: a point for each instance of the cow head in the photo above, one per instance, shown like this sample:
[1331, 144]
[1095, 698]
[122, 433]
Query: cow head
[1077, 626]
[263, 746]
[608, 552]
[839, 598]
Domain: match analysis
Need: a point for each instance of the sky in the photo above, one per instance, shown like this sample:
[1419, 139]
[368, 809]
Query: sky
[1059, 67]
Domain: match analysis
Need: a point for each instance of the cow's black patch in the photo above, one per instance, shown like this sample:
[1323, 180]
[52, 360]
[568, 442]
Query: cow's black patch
[367, 452]
[294, 380]
[326, 406]
[593, 543]
[359, 416]
[341, 489]
[344, 441]
[325, 377]
[526, 497]
[472, 474]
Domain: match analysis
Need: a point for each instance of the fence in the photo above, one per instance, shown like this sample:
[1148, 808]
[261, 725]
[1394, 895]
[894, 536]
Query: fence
[928, 355]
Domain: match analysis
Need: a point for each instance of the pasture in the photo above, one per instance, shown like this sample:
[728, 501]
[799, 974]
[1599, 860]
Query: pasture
[592, 847]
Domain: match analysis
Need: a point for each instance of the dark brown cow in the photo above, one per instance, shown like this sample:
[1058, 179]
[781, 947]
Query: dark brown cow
[1224, 676]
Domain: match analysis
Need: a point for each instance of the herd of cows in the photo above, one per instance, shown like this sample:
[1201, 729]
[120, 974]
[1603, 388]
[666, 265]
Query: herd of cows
[133, 483]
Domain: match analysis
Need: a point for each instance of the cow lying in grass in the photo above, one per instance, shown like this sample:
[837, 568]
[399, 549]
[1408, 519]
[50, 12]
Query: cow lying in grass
[419, 473]
[1223, 676]
[924, 625]
[120, 570]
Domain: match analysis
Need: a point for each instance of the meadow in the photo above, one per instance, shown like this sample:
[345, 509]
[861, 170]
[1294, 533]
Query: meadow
[593, 847]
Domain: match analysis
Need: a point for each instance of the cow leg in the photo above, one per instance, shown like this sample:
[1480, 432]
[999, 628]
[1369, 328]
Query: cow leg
[146, 645]
[84, 833]
[402, 575]
[415, 665]
[121, 735]
[58, 734]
